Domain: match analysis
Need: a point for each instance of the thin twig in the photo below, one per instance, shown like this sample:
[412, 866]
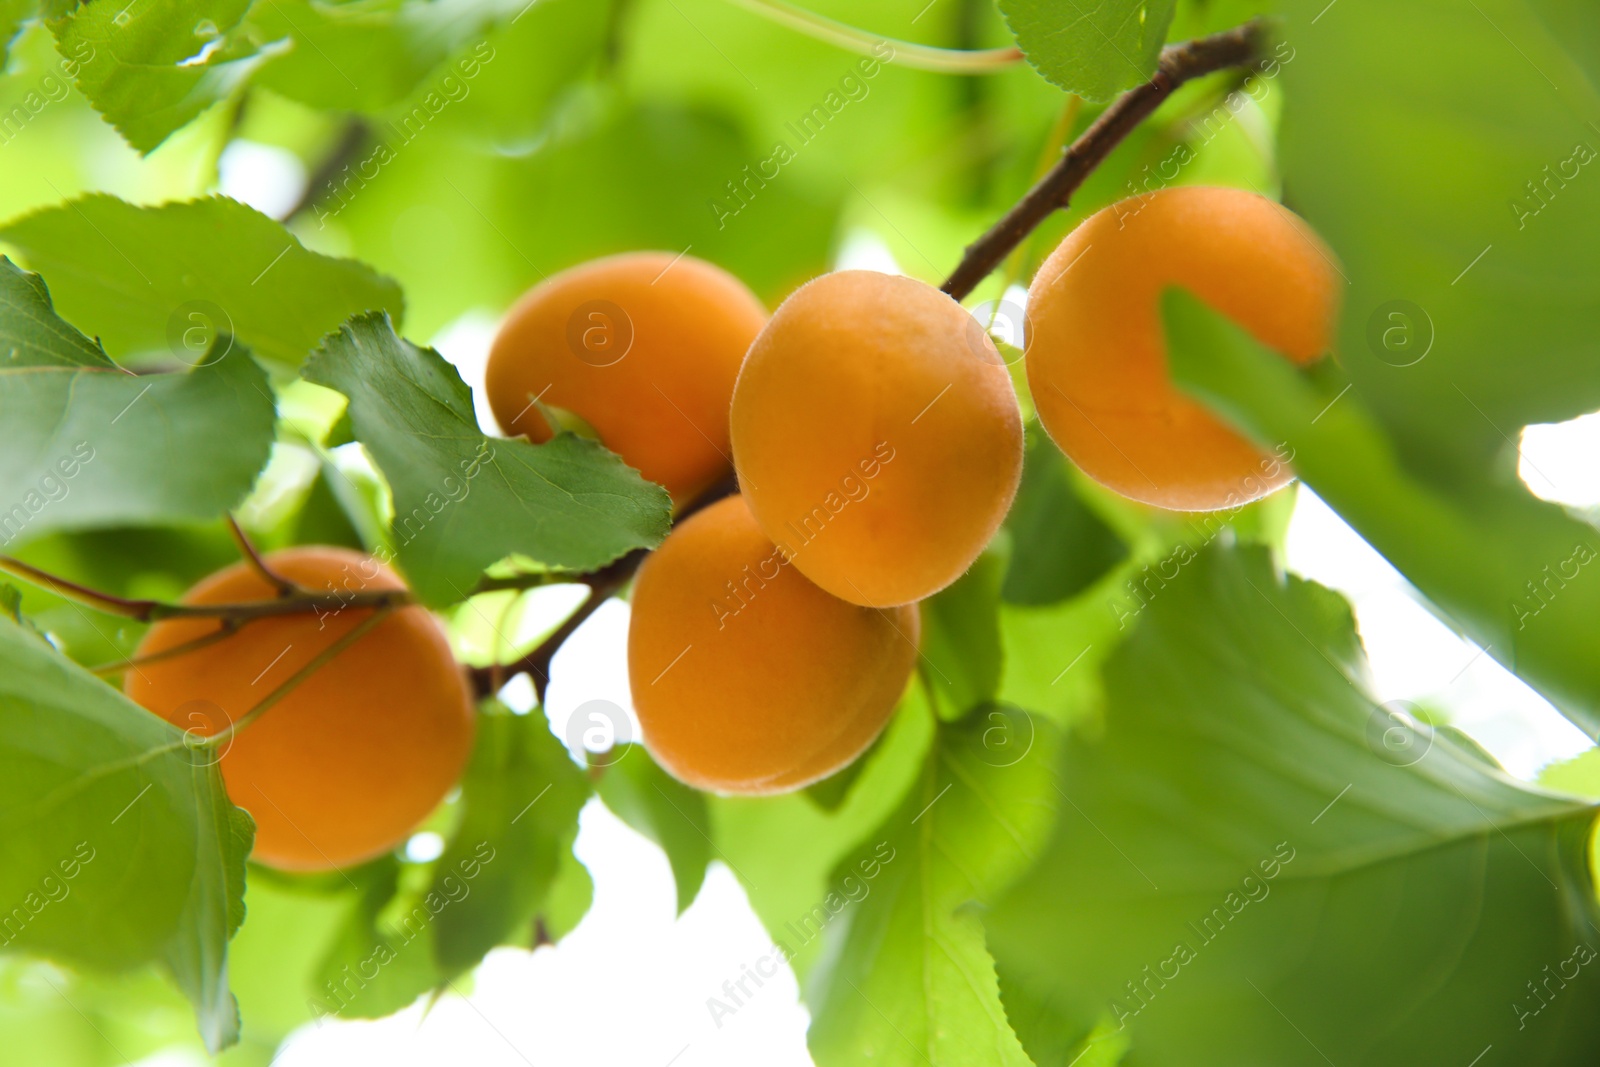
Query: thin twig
[111, 605]
[603, 585]
[302, 602]
[248, 550]
[523, 582]
[889, 50]
[353, 137]
[313, 665]
[1179, 63]
[155, 610]
[227, 629]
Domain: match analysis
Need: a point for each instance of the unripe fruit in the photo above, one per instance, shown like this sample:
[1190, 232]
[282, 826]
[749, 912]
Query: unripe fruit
[354, 757]
[746, 677]
[877, 436]
[644, 347]
[1097, 354]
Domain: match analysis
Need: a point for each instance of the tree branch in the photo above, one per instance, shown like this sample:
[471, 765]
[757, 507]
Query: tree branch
[603, 585]
[352, 138]
[156, 610]
[1179, 63]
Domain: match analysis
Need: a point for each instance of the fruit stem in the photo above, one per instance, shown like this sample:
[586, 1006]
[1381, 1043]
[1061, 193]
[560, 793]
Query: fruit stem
[313, 665]
[905, 53]
[247, 549]
[1179, 63]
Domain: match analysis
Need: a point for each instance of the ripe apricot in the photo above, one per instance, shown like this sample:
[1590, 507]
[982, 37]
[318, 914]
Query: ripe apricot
[644, 347]
[877, 436]
[748, 678]
[354, 757]
[1097, 355]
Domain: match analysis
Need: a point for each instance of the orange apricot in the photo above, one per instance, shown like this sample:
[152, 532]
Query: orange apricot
[644, 347]
[877, 436]
[1097, 355]
[747, 678]
[349, 761]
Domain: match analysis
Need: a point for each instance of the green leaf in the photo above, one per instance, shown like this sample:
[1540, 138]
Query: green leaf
[528, 64]
[911, 981]
[1095, 50]
[830, 793]
[11, 603]
[366, 56]
[380, 958]
[961, 655]
[275, 963]
[784, 849]
[172, 278]
[666, 811]
[88, 444]
[13, 13]
[1059, 546]
[121, 845]
[569, 899]
[1579, 775]
[32, 332]
[151, 68]
[463, 501]
[1500, 565]
[1447, 153]
[473, 237]
[520, 802]
[197, 957]
[1257, 864]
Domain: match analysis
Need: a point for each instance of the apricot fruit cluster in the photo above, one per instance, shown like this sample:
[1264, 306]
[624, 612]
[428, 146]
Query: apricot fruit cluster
[878, 444]
[347, 763]
[1096, 353]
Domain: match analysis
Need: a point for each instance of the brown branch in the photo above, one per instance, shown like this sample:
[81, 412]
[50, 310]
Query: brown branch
[301, 602]
[155, 610]
[1179, 63]
[353, 137]
[603, 585]
[247, 549]
[523, 582]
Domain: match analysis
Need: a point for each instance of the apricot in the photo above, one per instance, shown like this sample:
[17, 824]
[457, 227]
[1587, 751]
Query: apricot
[644, 347]
[747, 677]
[1096, 352]
[354, 757]
[877, 436]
